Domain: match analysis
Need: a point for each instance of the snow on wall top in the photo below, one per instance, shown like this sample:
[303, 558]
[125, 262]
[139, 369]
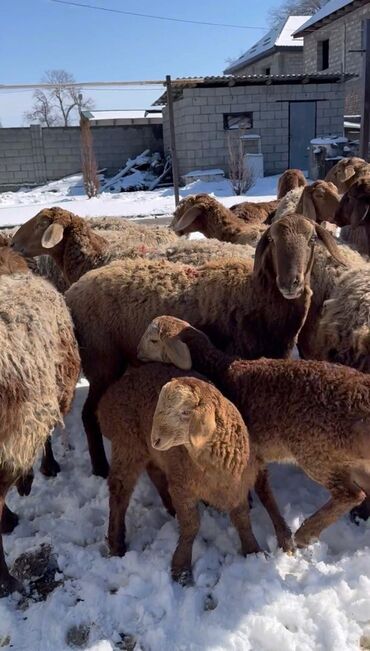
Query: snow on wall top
[281, 36]
[122, 115]
[326, 10]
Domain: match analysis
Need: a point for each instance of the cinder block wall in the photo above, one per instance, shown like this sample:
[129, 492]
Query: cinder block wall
[34, 155]
[201, 140]
[345, 35]
[284, 62]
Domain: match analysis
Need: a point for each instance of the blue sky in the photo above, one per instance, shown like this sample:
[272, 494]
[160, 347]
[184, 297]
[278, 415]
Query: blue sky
[37, 35]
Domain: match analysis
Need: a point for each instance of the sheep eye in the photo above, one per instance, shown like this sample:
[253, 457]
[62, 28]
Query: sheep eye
[153, 341]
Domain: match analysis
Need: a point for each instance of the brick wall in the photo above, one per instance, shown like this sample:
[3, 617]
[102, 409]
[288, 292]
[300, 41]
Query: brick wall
[201, 140]
[344, 34]
[34, 155]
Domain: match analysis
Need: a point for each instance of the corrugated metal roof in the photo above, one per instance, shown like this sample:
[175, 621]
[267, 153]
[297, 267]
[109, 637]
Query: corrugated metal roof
[280, 36]
[327, 13]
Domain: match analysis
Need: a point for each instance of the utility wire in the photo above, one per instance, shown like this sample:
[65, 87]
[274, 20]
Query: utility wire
[153, 17]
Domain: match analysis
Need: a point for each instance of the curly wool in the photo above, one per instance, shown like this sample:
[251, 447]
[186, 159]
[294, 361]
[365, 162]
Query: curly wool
[39, 366]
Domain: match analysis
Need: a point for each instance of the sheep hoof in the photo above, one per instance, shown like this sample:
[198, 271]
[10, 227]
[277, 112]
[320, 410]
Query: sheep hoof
[183, 576]
[9, 584]
[361, 512]
[101, 469]
[49, 468]
[9, 521]
[24, 484]
[117, 549]
[286, 543]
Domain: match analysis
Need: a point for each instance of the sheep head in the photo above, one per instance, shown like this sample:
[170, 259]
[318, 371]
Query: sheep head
[354, 208]
[319, 201]
[185, 415]
[344, 172]
[43, 233]
[160, 343]
[291, 179]
[191, 213]
[10, 261]
[286, 251]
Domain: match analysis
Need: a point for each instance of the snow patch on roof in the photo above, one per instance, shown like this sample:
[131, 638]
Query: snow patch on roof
[123, 114]
[326, 10]
[281, 36]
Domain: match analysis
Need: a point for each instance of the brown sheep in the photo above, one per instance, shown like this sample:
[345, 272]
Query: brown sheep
[74, 246]
[205, 214]
[39, 368]
[354, 211]
[290, 180]
[195, 446]
[249, 312]
[346, 172]
[317, 201]
[251, 212]
[313, 414]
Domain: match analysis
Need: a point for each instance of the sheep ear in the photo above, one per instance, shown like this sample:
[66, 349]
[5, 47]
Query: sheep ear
[308, 206]
[328, 240]
[178, 353]
[187, 218]
[261, 249]
[348, 172]
[202, 426]
[52, 236]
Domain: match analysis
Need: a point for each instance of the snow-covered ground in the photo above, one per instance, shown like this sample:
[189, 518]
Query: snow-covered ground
[315, 600]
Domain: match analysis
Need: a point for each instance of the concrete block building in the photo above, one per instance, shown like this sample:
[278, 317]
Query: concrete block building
[286, 111]
[333, 40]
[276, 53]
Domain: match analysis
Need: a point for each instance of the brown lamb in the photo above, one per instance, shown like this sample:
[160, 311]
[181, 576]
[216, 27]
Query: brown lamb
[346, 172]
[251, 212]
[290, 180]
[313, 414]
[354, 212]
[206, 215]
[194, 445]
[251, 312]
[317, 201]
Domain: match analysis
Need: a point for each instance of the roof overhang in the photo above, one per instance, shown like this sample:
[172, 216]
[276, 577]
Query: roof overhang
[326, 20]
[179, 85]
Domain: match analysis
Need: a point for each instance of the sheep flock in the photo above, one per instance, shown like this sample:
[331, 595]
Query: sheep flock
[187, 348]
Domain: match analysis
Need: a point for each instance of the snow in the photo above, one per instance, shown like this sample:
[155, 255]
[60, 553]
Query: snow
[124, 114]
[280, 36]
[315, 600]
[326, 10]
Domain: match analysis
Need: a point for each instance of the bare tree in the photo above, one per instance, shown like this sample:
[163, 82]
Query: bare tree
[294, 8]
[89, 167]
[240, 174]
[59, 105]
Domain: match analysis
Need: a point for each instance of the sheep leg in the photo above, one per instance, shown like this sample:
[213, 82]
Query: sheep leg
[240, 518]
[24, 483]
[49, 466]
[100, 466]
[120, 492]
[8, 583]
[188, 519]
[159, 480]
[9, 520]
[344, 497]
[264, 492]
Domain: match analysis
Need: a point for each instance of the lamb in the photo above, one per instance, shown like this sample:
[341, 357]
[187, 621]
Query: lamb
[205, 214]
[252, 212]
[354, 212]
[290, 180]
[74, 246]
[251, 313]
[39, 368]
[195, 446]
[317, 201]
[314, 414]
[346, 172]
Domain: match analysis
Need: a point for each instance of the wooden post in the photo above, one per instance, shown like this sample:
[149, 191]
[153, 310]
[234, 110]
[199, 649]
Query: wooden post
[175, 169]
[365, 118]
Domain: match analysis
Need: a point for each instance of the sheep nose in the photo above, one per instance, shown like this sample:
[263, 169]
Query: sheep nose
[295, 282]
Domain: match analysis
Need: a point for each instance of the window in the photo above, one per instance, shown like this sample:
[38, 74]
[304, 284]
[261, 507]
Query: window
[323, 55]
[267, 71]
[238, 121]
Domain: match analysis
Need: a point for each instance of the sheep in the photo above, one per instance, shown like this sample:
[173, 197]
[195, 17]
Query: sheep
[346, 172]
[354, 212]
[74, 246]
[252, 313]
[39, 368]
[313, 414]
[252, 212]
[317, 201]
[195, 446]
[290, 180]
[205, 214]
